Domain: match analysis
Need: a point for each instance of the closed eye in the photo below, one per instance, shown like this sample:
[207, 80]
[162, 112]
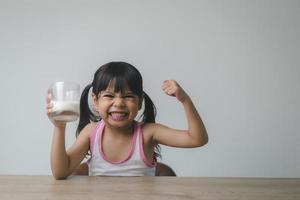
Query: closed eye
[108, 96]
[129, 96]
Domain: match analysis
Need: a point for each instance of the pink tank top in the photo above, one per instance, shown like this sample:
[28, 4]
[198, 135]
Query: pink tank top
[136, 163]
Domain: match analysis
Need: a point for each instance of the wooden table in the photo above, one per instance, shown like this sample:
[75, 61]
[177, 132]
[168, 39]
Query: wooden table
[146, 188]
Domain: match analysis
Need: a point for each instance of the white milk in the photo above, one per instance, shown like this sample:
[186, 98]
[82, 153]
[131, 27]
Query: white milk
[65, 111]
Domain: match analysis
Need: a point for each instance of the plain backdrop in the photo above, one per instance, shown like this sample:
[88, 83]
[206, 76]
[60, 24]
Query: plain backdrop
[238, 60]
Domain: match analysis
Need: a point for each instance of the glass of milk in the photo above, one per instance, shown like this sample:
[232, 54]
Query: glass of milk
[65, 99]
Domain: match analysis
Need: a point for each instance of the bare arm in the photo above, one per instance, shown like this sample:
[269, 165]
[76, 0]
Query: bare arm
[195, 135]
[63, 162]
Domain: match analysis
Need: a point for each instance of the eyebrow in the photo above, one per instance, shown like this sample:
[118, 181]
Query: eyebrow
[109, 91]
[125, 93]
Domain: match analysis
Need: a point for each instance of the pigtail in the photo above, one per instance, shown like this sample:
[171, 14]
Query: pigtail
[86, 114]
[149, 111]
[149, 117]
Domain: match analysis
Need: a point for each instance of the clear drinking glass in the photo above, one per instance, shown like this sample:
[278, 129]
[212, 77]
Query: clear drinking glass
[65, 99]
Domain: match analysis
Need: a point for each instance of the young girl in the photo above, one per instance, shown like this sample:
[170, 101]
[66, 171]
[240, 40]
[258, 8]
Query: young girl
[119, 145]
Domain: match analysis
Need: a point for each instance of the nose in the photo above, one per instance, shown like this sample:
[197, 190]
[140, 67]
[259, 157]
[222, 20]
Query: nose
[119, 102]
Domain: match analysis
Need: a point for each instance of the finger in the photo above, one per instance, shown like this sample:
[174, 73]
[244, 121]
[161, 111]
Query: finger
[49, 105]
[49, 112]
[168, 91]
[49, 90]
[164, 86]
[166, 83]
[171, 92]
[49, 98]
[168, 88]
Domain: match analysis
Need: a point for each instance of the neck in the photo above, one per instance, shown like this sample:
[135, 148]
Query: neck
[120, 131]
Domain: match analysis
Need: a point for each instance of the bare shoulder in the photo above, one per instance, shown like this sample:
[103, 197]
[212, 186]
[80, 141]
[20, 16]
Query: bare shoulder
[149, 129]
[87, 130]
[81, 145]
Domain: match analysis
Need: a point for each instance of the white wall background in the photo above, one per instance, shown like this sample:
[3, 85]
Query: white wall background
[238, 60]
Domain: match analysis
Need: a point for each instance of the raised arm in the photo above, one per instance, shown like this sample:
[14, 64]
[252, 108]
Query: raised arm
[195, 135]
[63, 162]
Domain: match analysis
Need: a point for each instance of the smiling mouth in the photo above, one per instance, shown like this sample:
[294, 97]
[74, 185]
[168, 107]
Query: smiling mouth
[118, 116]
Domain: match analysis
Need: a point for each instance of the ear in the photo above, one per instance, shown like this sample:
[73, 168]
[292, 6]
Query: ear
[141, 99]
[95, 100]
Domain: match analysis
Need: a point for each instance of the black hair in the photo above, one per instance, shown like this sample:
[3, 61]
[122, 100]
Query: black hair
[125, 76]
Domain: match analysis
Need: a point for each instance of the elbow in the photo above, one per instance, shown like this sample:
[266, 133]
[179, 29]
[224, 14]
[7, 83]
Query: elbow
[59, 172]
[59, 177]
[199, 141]
[203, 141]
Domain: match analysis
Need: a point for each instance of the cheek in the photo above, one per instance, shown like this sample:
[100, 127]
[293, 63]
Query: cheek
[100, 106]
[103, 106]
[134, 107]
[102, 110]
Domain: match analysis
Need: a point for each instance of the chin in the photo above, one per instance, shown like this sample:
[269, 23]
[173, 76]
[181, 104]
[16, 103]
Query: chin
[120, 124]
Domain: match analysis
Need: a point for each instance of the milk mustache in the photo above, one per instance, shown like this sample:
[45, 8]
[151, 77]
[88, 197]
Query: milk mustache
[65, 111]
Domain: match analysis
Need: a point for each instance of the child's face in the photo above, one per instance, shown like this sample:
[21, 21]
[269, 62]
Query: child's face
[117, 109]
